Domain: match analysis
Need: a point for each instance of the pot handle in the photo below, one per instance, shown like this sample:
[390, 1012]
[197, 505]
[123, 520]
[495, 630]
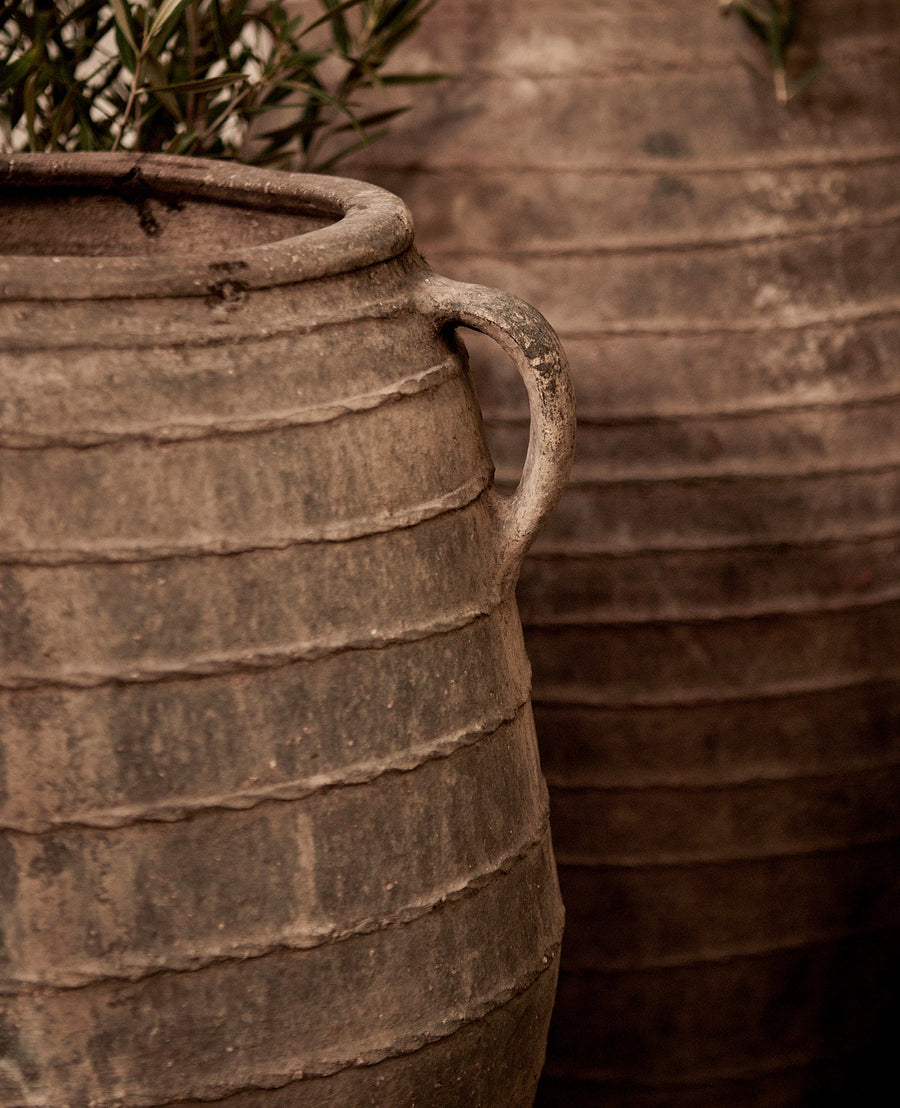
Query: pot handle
[532, 344]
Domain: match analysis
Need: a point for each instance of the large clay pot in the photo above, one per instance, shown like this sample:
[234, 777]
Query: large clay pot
[274, 827]
[713, 614]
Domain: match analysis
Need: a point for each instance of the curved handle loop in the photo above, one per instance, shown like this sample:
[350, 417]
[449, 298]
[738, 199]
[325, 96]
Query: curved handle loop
[523, 333]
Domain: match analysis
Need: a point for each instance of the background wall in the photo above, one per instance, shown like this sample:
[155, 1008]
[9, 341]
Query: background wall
[713, 614]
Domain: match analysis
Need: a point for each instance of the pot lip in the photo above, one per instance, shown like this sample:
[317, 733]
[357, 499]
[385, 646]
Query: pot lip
[371, 225]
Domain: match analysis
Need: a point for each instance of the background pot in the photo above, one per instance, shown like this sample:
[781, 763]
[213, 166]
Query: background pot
[273, 827]
[713, 613]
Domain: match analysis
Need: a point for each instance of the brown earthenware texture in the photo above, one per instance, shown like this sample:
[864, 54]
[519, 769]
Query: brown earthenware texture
[274, 828]
[713, 614]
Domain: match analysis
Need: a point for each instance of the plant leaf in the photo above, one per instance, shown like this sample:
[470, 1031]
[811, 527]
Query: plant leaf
[810, 75]
[168, 10]
[756, 22]
[123, 23]
[360, 123]
[205, 84]
[335, 16]
[157, 75]
[127, 52]
[412, 78]
[16, 71]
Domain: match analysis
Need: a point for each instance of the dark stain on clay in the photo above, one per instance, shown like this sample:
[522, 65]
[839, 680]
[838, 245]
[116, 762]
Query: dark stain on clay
[227, 285]
[134, 189]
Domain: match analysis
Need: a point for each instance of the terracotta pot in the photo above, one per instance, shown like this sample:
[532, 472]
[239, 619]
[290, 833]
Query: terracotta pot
[274, 827]
[713, 613]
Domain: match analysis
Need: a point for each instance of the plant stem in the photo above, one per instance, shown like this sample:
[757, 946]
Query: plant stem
[129, 105]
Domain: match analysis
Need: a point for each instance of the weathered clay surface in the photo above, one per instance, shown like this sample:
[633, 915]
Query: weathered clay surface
[713, 613]
[272, 823]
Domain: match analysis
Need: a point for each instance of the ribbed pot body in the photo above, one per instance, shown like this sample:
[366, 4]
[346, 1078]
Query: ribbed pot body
[713, 615]
[273, 824]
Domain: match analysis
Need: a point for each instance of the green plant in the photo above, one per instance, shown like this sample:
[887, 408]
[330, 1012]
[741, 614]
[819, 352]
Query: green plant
[775, 23]
[296, 85]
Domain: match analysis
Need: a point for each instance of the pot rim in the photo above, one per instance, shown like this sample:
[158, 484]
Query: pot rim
[371, 225]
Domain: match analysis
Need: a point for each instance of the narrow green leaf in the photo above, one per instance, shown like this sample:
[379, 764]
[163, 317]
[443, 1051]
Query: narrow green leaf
[182, 143]
[335, 16]
[362, 122]
[30, 102]
[808, 77]
[62, 119]
[339, 155]
[396, 14]
[218, 25]
[169, 10]
[206, 84]
[127, 52]
[18, 70]
[157, 75]
[123, 22]
[412, 78]
[789, 23]
[756, 22]
[278, 136]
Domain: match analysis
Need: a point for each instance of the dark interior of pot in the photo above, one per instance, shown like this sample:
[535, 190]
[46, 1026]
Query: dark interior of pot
[67, 221]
